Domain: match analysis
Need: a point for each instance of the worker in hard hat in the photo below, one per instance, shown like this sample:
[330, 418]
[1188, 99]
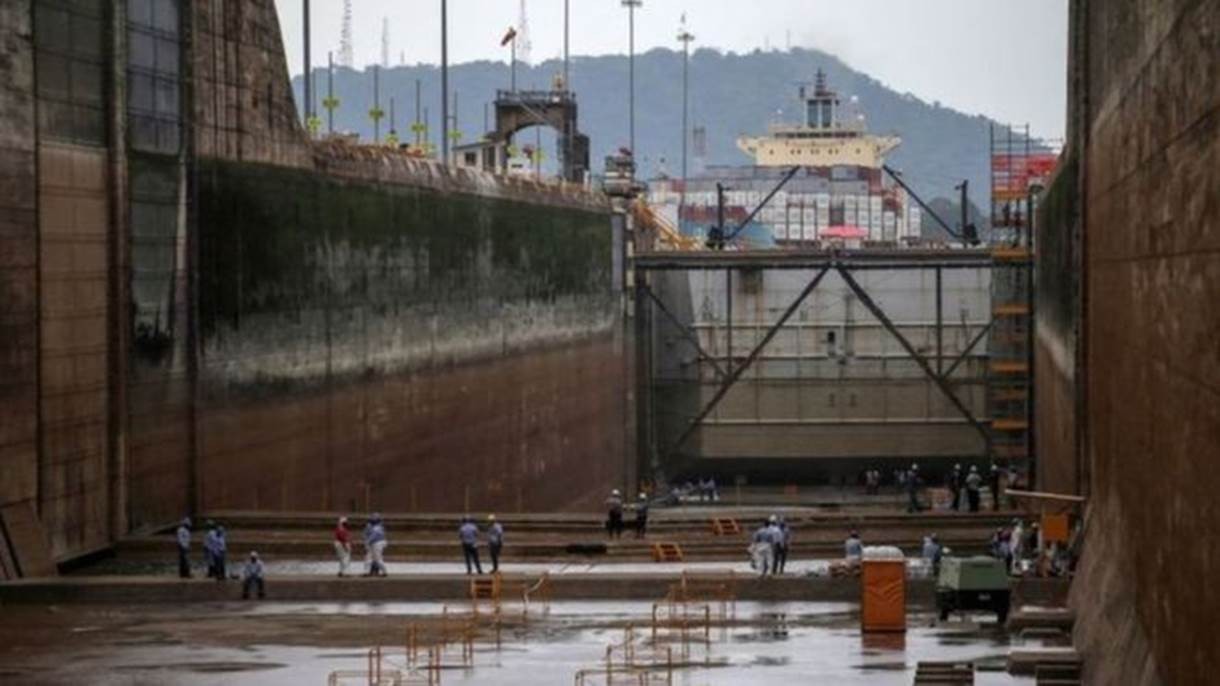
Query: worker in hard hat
[762, 549]
[374, 546]
[973, 483]
[252, 577]
[495, 541]
[913, 482]
[183, 538]
[343, 545]
[853, 549]
[641, 516]
[614, 514]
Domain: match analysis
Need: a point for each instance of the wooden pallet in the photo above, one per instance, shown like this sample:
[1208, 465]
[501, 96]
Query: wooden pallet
[666, 552]
[725, 526]
[485, 587]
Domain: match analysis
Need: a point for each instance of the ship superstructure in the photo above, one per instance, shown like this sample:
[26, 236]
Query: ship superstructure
[825, 137]
[840, 194]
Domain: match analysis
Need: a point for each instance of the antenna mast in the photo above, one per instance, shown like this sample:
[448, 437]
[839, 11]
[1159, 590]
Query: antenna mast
[385, 42]
[346, 54]
[523, 37]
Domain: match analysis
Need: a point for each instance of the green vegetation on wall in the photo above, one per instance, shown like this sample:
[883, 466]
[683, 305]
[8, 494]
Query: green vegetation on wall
[292, 259]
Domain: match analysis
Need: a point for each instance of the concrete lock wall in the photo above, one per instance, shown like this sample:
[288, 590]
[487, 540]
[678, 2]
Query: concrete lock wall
[201, 308]
[1132, 417]
[18, 261]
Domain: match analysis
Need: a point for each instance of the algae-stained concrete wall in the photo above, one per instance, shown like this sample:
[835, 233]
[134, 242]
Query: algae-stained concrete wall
[398, 346]
[18, 260]
[1149, 148]
[1057, 331]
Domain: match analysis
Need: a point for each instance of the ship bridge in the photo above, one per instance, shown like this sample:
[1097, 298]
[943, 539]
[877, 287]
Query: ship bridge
[825, 138]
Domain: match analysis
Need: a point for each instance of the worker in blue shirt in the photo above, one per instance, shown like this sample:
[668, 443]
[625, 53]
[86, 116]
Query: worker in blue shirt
[853, 549]
[216, 547]
[762, 549]
[468, 534]
[641, 516]
[374, 546]
[184, 548]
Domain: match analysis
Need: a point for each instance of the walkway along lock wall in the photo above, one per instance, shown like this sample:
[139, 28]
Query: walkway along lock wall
[202, 308]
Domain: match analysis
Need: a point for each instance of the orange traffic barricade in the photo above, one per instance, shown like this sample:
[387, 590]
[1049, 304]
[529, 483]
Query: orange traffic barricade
[883, 595]
[1055, 528]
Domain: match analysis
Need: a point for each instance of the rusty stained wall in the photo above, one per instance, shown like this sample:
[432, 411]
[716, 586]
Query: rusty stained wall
[18, 261]
[73, 347]
[244, 108]
[1151, 321]
[73, 44]
[535, 431]
[159, 419]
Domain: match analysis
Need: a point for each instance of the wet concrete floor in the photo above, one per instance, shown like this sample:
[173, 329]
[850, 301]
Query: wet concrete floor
[283, 643]
[278, 567]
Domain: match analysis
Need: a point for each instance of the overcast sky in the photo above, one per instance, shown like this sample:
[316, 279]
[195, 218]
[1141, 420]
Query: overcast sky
[1002, 58]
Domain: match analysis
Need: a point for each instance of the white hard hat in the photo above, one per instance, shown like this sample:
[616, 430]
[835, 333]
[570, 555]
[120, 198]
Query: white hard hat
[614, 492]
[491, 518]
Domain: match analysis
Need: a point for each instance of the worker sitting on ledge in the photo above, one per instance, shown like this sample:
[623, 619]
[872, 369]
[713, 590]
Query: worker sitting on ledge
[853, 549]
[252, 576]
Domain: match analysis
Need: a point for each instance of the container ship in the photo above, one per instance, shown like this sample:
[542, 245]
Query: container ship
[839, 195]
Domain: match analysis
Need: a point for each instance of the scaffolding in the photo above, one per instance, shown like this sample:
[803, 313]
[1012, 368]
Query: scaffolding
[1019, 166]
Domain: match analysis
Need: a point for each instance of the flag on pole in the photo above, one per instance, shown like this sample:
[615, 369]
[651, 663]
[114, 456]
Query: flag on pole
[508, 37]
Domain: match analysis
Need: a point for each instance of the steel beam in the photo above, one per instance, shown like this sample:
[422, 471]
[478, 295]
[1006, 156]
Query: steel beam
[911, 259]
[919, 359]
[740, 369]
[686, 332]
[940, 323]
[966, 353]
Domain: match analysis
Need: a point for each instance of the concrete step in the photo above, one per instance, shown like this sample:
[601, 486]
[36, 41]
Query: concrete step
[1025, 661]
[428, 588]
[401, 550]
[660, 519]
[1038, 617]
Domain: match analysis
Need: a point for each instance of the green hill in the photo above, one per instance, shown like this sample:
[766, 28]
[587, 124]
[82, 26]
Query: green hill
[730, 94]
